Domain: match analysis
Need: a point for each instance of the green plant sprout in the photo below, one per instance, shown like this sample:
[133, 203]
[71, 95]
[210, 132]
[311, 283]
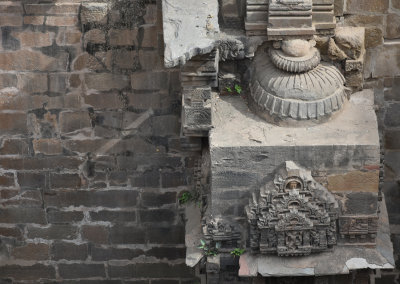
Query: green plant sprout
[185, 198]
[229, 89]
[237, 252]
[238, 89]
[209, 251]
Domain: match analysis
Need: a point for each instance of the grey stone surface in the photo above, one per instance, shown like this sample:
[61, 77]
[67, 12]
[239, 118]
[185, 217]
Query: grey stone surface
[189, 29]
[341, 260]
[240, 140]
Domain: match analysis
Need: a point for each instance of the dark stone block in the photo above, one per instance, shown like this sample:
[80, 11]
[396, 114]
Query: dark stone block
[114, 216]
[56, 216]
[167, 253]
[69, 251]
[54, 232]
[150, 178]
[53, 163]
[65, 181]
[392, 117]
[170, 235]
[105, 254]
[7, 179]
[11, 233]
[96, 234]
[157, 215]
[174, 179]
[28, 180]
[361, 203]
[156, 270]
[73, 271]
[153, 199]
[34, 272]
[27, 215]
[392, 139]
[121, 234]
[109, 198]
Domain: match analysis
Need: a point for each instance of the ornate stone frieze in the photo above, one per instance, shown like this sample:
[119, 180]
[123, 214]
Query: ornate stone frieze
[323, 17]
[256, 17]
[196, 111]
[219, 230]
[293, 215]
[358, 229]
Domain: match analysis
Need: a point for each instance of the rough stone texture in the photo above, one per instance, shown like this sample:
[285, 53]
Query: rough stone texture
[189, 28]
[91, 158]
[235, 146]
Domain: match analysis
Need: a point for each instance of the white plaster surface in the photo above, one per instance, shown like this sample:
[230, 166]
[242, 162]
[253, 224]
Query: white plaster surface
[189, 29]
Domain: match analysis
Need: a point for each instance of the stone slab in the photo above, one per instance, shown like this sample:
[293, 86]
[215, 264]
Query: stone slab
[341, 260]
[189, 29]
[343, 153]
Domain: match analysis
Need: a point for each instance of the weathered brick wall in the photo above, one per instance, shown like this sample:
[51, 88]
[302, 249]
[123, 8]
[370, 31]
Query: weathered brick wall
[91, 162]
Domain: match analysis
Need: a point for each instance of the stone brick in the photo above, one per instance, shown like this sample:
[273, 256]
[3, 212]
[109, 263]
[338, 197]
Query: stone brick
[392, 26]
[53, 232]
[95, 234]
[109, 198]
[170, 235]
[31, 252]
[396, 4]
[94, 13]
[106, 81]
[13, 123]
[79, 270]
[87, 61]
[47, 146]
[28, 60]
[56, 216]
[61, 21]
[8, 80]
[376, 21]
[51, 9]
[148, 34]
[11, 20]
[123, 37]
[392, 165]
[156, 270]
[18, 216]
[154, 199]
[114, 216]
[34, 20]
[10, 232]
[151, 14]
[149, 60]
[7, 180]
[32, 82]
[149, 80]
[359, 6]
[122, 234]
[72, 121]
[66, 180]
[68, 37]
[34, 39]
[387, 61]
[68, 251]
[95, 36]
[373, 37]
[126, 59]
[110, 253]
[38, 163]
[12, 7]
[392, 115]
[29, 180]
[157, 215]
[167, 253]
[34, 272]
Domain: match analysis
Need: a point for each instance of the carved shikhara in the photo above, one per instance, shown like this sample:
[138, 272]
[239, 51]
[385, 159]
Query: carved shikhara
[358, 229]
[293, 216]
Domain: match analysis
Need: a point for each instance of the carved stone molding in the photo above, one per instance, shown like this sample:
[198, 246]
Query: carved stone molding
[295, 64]
[293, 215]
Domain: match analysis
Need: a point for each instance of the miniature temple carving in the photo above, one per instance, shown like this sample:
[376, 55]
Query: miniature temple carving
[291, 218]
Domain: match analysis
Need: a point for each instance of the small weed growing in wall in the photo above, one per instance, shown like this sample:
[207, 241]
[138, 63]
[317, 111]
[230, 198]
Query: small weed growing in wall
[207, 250]
[237, 88]
[237, 252]
[185, 197]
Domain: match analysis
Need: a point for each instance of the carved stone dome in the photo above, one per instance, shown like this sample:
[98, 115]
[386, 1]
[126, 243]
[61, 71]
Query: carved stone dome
[280, 96]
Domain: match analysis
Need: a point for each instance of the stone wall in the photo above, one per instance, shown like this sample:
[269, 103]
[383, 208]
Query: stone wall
[91, 160]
